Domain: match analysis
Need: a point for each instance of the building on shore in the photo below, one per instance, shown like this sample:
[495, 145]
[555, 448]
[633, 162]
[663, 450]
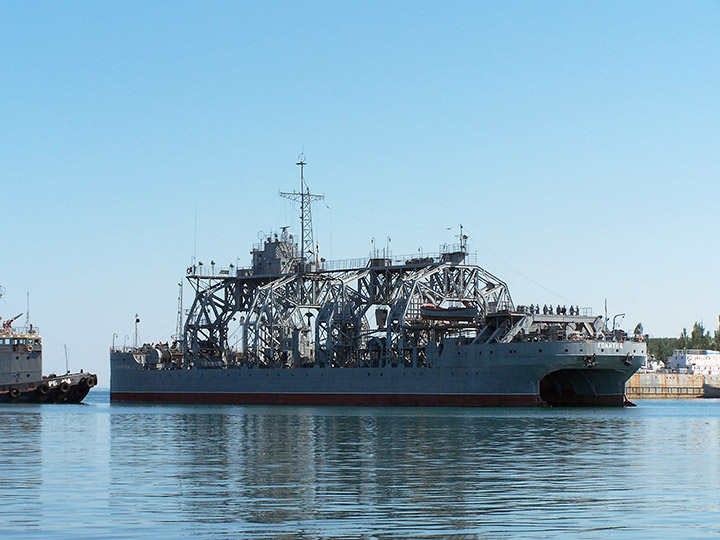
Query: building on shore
[696, 361]
[688, 373]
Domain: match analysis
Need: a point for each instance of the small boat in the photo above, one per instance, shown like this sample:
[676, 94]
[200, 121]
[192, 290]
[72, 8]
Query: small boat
[453, 313]
[21, 378]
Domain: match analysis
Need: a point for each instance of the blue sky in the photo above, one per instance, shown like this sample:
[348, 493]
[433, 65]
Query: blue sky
[576, 142]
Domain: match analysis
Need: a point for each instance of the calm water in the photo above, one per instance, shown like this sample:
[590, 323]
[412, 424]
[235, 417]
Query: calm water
[117, 471]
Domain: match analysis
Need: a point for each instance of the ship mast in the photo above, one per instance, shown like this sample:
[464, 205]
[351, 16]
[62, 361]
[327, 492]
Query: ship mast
[178, 328]
[463, 240]
[304, 197]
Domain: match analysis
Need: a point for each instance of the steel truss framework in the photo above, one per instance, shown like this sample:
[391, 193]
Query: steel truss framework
[326, 318]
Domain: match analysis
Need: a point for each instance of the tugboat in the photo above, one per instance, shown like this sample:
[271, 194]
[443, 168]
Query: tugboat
[21, 378]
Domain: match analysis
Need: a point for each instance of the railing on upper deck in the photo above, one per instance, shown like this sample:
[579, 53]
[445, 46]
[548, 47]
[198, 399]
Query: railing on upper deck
[381, 258]
[33, 331]
[581, 312]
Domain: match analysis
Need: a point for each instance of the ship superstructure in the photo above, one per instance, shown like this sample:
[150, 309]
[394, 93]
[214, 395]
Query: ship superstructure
[434, 329]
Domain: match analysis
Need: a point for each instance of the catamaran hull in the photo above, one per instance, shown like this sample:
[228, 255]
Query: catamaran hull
[569, 373]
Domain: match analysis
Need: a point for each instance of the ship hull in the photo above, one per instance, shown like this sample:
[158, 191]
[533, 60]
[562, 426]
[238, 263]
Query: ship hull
[69, 388]
[328, 399]
[464, 374]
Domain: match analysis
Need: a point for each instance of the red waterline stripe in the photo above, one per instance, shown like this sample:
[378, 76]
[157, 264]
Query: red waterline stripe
[405, 400]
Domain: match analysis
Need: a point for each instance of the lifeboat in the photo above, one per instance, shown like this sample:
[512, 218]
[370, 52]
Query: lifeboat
[452, 313]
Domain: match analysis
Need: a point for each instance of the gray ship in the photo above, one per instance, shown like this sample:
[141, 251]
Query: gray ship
[21, 378]
[428, 330]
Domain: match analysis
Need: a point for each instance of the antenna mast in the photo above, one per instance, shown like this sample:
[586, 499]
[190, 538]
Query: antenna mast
[463, 240]
[305, 198]
[178, 328]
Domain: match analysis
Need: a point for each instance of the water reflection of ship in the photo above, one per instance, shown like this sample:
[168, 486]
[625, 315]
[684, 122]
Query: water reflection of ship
[280, 468]
[431, 329]
[23, 465]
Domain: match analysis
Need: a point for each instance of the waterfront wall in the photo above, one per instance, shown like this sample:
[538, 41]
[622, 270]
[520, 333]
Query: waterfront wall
[672, 385]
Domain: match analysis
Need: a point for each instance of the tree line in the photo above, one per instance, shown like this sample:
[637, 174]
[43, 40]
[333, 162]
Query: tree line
[699, 338]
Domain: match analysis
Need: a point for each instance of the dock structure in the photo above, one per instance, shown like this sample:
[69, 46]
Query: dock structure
[657, 385]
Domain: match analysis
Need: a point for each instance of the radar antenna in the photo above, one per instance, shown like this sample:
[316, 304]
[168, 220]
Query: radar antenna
[305, 198]
[463, 240]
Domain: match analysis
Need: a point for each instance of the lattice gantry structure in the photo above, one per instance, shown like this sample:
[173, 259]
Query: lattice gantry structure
[366, 316]
[289, 311]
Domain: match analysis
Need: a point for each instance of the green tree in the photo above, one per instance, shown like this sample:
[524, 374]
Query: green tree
[662, 348]
[684, 341]
[698, 338]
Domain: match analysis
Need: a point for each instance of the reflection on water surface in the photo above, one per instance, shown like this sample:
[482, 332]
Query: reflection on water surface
[108, 471]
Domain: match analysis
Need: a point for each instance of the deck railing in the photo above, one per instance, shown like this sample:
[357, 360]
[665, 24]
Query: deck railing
[24, 331]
